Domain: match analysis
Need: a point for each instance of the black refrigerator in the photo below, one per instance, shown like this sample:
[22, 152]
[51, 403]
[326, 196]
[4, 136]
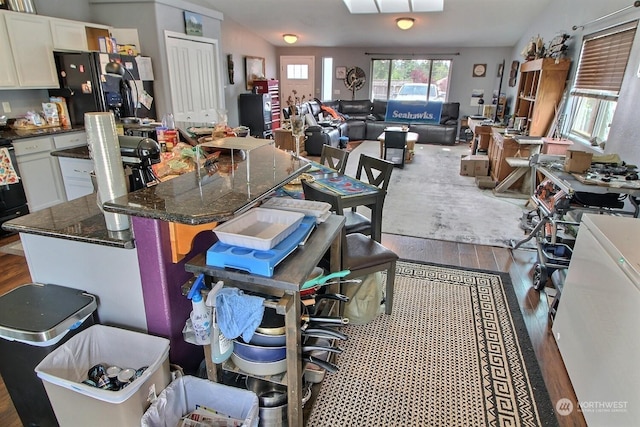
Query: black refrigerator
[87, 88]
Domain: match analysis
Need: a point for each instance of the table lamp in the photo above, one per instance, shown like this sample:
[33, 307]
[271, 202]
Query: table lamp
[480, 104]
[116, 69]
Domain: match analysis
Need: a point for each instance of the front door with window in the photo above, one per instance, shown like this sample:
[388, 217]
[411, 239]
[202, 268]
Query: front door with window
[297, 73]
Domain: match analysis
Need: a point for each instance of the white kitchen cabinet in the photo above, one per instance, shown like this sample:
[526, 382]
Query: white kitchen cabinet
[40, 172]
[597, 320]
[68, 35]
[76, 175]
[69, 140]
[32, 48]
[8, 76]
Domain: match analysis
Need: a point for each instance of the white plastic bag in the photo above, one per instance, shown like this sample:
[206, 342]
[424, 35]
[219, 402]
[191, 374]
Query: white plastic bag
[364, 299]
[182, 395]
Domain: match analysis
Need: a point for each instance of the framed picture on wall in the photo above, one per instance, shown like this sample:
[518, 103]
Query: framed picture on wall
[192, 23]
[254, 69]
[341, 73]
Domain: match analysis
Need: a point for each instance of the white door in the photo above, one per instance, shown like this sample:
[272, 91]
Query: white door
[297, 73]
[195, 78]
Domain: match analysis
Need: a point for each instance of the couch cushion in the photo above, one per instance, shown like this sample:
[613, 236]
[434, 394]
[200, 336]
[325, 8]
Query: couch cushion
[450, 113]
[379, 109]
[359, 108]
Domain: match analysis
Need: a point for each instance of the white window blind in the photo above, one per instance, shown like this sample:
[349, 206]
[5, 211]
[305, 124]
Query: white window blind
[604, 60]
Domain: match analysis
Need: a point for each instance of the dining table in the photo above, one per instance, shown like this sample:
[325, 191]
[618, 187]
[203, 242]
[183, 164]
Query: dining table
[352, 191]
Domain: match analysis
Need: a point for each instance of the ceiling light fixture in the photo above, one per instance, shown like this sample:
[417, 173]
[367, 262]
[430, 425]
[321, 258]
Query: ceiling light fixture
[405, 23]
[290, 38]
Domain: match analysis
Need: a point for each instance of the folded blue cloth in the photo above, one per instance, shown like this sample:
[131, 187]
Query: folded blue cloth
[237, 313]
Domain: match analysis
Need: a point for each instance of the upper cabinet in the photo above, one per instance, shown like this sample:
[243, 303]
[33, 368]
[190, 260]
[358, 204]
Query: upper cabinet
[32, 47]
[27, 42]
[68, 35]
[8, 76]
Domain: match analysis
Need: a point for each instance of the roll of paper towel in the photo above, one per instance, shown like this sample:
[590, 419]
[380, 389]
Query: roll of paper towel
[104, 149]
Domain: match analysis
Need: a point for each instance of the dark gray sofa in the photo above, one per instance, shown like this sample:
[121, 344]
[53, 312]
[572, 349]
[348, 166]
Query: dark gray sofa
[365, 119]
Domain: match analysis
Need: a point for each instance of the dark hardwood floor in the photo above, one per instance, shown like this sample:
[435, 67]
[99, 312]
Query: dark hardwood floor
[14, 272]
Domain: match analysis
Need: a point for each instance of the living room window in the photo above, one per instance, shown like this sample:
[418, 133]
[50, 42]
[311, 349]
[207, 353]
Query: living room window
[594, 96]
[428, 77]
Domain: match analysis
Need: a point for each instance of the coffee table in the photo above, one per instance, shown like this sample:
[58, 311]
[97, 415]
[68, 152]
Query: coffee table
[412, 138]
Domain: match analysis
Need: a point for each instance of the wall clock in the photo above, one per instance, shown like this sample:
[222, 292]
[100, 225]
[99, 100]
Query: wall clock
[479, 70]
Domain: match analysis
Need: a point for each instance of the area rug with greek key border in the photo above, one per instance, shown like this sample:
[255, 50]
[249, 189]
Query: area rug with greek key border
[454, 352]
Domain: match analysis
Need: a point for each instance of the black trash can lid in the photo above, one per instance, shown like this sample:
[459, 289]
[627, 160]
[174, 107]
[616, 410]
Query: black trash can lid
[38, 313]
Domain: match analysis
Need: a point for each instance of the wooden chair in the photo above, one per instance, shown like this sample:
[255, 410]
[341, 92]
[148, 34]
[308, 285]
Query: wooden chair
[360, 254]
[395, 141]
[377, 172]
[335, 158]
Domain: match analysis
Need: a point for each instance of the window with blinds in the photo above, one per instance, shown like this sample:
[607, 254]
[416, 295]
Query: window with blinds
[603, 60]
[594, 95]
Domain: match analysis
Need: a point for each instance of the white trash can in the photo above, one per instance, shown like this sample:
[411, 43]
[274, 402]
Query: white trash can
[182, 395]
[76, 404]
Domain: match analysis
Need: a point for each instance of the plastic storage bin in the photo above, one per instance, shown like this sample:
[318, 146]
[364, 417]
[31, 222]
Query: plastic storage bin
[182, 395]
[35, 319]
[77, 404]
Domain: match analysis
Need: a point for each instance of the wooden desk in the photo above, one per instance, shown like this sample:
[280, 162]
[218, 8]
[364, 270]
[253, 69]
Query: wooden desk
[481, 135]
[509, 163]
[412, 138]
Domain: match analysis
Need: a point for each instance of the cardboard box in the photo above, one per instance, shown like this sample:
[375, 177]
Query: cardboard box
[555, 146]
[577, 161]
[474, 165]
[485, 182]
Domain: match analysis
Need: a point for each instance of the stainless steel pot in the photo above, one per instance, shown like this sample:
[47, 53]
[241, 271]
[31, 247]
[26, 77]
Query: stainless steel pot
[269, 394]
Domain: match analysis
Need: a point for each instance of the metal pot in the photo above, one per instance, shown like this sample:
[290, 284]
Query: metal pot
[268, 340]
[273, 417]
[269, 394]
[258, 353]
[259, 368]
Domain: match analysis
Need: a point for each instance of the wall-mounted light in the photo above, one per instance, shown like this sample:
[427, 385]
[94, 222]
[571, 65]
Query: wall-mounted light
[405, 23]
[290, 38]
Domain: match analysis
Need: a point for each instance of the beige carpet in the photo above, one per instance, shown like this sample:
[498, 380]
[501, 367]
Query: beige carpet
[429, 198]
[454, 352]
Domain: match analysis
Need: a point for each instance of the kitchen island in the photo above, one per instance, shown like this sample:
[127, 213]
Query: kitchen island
[148, 265]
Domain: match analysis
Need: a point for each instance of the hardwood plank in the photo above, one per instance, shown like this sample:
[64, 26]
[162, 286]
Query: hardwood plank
[518, 263]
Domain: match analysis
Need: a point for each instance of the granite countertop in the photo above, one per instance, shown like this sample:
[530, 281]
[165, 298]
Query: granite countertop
[80, 220]
[188, 199]
[13, 134]
[81, 152]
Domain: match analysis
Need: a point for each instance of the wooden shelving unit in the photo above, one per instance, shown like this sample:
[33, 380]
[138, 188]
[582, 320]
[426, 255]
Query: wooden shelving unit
[542, 82]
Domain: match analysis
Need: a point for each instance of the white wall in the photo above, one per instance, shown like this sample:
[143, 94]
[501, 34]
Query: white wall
[462, 63]
[560, 17]
[239, 42]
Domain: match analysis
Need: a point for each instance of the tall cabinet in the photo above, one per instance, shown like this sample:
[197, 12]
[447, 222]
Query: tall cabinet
[272, 88]
[255, 113]
[542, 83]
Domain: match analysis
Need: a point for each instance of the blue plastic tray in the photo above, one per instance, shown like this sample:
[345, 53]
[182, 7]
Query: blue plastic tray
[255, 261]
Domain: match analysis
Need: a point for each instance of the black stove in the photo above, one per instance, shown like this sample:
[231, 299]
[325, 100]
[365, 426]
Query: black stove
[13, 201]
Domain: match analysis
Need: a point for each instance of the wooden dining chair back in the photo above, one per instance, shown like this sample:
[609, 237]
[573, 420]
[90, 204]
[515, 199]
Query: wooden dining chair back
[395, 147]
[375, 172]
[360, 254]
[335, 158]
